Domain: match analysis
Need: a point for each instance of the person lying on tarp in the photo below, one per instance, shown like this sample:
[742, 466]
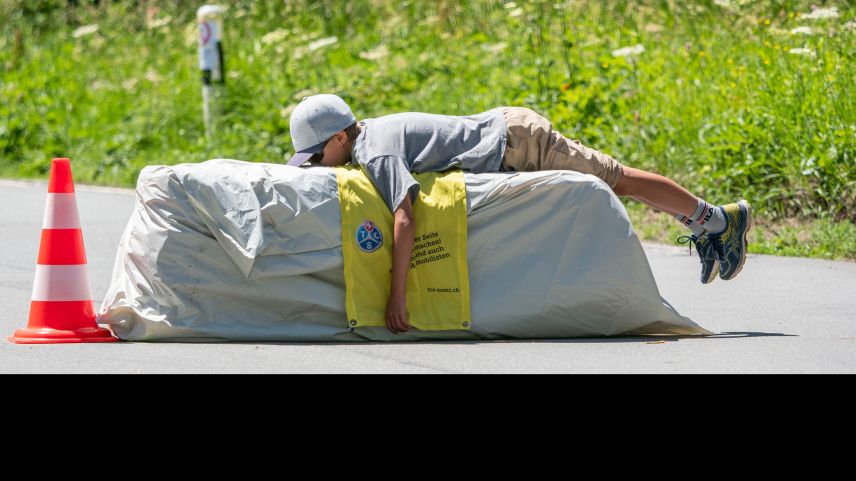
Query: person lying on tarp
[325, 132]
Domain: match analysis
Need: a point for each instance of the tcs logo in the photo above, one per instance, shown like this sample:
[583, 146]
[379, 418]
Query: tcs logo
[369, 238]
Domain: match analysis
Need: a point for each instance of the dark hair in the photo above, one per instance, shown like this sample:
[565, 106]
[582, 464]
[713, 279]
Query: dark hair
[350, 131]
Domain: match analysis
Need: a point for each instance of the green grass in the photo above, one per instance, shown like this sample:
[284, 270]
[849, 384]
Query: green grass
[715, 100]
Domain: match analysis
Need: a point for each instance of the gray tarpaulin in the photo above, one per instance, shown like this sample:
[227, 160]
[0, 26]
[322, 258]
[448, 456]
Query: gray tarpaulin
[232, 250]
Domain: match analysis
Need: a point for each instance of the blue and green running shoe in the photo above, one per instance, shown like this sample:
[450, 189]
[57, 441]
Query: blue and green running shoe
[706, 253]
[731, 244]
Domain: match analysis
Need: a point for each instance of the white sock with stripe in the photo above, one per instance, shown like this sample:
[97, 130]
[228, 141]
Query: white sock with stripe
[709, 217]
[696, 229]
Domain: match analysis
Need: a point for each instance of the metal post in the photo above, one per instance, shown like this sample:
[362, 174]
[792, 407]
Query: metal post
[210, 19]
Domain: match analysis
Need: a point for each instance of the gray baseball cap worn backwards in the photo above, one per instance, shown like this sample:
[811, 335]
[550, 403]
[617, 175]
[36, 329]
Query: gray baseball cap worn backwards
[315, 120]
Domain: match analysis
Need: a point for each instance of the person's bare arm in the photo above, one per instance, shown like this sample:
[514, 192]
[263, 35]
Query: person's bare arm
[404, 230]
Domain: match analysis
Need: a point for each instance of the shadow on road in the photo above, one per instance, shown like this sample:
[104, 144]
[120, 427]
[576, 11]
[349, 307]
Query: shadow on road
[725, 335]
[580, 340]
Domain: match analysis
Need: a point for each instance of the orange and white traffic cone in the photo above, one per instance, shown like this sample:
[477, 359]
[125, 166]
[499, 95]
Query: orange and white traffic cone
[61, 309]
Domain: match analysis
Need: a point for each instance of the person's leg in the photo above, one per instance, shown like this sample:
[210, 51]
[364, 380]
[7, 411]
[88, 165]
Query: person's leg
[706, 251]
[665, 194]
[719, 232]
[651, 189]
[533, 144]
[656, 191]
[652, 204]
[696, 229]
[725, 241]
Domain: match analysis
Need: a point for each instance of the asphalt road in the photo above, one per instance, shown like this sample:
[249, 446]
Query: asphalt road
[781, 315]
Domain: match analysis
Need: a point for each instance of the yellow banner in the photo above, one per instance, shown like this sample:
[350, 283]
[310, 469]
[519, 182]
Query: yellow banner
[438, 289]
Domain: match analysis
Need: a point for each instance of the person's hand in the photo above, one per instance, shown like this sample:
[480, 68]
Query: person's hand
[396, 315]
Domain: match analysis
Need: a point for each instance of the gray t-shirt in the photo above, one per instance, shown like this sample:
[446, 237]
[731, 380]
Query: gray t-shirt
[391, 147]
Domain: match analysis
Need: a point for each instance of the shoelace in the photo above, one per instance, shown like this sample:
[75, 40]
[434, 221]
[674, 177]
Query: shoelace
[718, 246]
[684, 239]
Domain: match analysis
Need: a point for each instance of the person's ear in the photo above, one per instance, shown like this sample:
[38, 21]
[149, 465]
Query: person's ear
[341, 137]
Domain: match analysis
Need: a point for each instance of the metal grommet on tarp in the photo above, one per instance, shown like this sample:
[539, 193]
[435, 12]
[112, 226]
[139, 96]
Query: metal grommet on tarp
[353, 322]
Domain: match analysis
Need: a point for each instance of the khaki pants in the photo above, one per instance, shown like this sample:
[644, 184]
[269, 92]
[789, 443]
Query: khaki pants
[532, 144]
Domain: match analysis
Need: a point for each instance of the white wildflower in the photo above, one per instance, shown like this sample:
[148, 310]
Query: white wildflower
[153, 76]
[820, 13]
[299, 52]
[516, 12]
[161, 22]
[307, 36]
[723, 3]
[84, 30]
[375, 53]
[628, 51]
[510, 5]
[802, 51]
[275, 36]
[495, 48]
[100, 85]
[323, 42]
[802, 30]
[851, 25]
